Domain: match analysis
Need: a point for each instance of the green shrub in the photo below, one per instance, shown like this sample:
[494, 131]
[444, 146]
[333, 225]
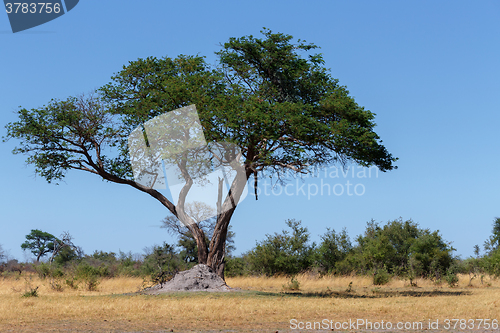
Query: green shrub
[235, 266]
[162, 264]
[43, 270]
[286, 253]
[332, 250]
[90, 275]
[491, 263]
[451, 278]
[381, 277]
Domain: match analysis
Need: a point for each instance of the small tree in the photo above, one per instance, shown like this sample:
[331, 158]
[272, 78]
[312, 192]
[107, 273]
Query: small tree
[401, 247]
[39, 243]
[66, 255]
[161, 263]
[64, 243]
[285, 253]
[493, 243]
[333, 249]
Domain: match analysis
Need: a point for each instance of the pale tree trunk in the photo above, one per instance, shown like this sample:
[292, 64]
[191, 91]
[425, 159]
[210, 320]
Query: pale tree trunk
[195, 230]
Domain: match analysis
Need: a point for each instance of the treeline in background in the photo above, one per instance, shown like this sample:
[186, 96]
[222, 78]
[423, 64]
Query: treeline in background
[398, 249]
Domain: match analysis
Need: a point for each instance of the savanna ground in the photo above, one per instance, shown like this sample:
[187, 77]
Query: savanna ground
[263, 305]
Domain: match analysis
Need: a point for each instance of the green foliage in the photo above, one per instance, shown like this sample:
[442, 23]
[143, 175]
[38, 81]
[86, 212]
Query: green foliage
[332, 250]
[262, 95]
[286, 253]
[65, 256]
[2, 254]
[402, 248]
[72, 282]
[413, 270]
[491, 263]
[161, 263]
[493, 243]
[89, 275]
[127, 266]
[39, 243]
[292, 103]
[56, 137]
[43, 270]
[432, 253]
[451, 276]
[235, 266]
[104, 256]
[381, 277]
[473, 267]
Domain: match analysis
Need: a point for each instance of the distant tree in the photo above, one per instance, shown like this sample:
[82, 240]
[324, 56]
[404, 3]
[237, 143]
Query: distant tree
[477, 250]
[399, 247]
[432, 254]
[284, 253]
[109, 257]
[493, 243]
[66, 255]
[39, 243]
[161, 263]
[64, 242]
[333, 249]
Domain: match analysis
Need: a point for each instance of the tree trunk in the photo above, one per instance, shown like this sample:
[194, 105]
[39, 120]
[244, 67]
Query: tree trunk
[217, 248]
[201, 243]
[217, 254]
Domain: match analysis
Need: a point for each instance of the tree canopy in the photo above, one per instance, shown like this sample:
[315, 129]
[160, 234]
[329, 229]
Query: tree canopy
[39, 243]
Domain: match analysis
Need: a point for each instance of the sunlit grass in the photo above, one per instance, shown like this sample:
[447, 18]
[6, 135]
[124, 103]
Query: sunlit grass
[265, 306]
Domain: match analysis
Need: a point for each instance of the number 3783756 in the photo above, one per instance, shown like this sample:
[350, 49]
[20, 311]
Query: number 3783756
[32, 8]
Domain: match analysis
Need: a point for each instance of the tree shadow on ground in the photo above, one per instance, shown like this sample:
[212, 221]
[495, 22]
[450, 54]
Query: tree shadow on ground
[375, 294]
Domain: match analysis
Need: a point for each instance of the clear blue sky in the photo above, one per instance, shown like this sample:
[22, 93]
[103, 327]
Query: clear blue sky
[429, 70]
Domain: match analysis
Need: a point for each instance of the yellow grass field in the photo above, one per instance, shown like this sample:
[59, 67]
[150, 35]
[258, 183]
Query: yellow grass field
[263, 305]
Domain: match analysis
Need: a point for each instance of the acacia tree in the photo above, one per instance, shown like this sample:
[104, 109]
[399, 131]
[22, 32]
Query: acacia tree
[285, 112]
[39, 243]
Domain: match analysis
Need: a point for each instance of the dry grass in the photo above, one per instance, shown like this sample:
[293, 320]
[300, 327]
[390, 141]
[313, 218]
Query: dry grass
[265, 307]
